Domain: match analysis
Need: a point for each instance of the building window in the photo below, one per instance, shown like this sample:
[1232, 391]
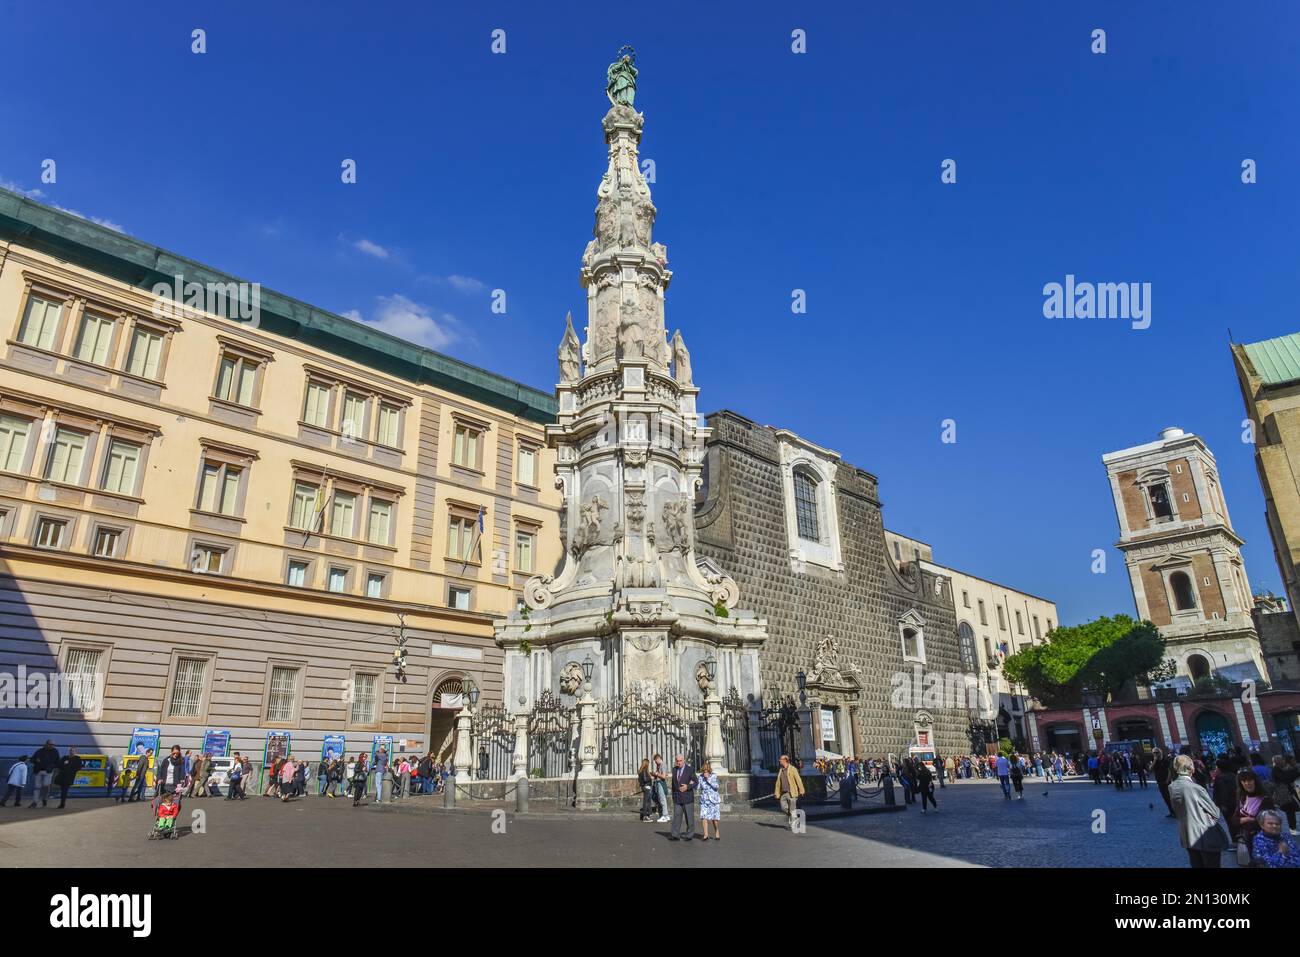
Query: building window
[965, 598]
[1002, 618]
[303, 514]
[966, 647]
[386, 432]
[236, 379]
[379, 531]
[805, 506]
[146, 353]
[187, 688]
[94, 338]
[343, 514]
[1159, 496]
[13, 442]
[911, 643]
[67, 453]
[911, 632]
[984, 618]
[375, 585]
[338, 580]
[208, 560]
[51, 533]
[527, 466]
[317, 409]
[81, 678]
[40, 322]
[297, 576]
[1038, 630]
[460, 538]
[284, 692]
[465, 452]
[458, 598]
[1020, 625]
[363, 698]
[219, 488]
[1184, 596]
[121, 465]
[353, 424]
[524, 548]
[107, 542]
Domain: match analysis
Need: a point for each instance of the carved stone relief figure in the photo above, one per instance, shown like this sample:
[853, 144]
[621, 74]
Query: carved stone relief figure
[570, 353]
[589, 522]
[676, 535]
[681, 360]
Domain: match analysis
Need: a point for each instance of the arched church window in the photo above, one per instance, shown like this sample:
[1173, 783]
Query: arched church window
[805, 506]
[1159, 495]
[966, 646]
[1184, 597]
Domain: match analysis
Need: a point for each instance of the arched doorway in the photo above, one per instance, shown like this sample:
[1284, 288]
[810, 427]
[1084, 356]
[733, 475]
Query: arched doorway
[446, 705]
[1213, 733]
[1135, 729]
[1198, 666]
[1064, 738]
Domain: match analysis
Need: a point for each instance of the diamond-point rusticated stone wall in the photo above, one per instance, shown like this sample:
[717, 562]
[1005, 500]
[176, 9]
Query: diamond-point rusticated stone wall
[741, 526]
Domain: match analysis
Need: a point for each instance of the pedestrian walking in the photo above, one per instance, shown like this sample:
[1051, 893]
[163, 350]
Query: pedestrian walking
[710, 801]
[17, 782]
[789, 788]
[44, 763]
[661, 788]
[170, 776]
[685, 781]
[69, 767]
[1017, 774]
[1202, 830]
[359, 774]
[645, 781]
[925, 785]
[1004, 775]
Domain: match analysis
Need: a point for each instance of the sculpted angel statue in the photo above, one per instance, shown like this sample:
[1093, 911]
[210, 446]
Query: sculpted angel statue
[681, 360]
[620, 85]
[570, 352]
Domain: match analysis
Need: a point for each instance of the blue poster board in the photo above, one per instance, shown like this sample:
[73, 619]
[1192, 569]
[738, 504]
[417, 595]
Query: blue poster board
[216, 743]
[334, 746]
[144, 738]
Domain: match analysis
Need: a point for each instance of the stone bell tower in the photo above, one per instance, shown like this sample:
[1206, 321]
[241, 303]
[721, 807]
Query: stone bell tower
[629, 602]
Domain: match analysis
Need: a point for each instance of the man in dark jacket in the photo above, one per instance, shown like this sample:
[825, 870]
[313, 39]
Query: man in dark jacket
[69, 768]
[44, 763]
[684, 783]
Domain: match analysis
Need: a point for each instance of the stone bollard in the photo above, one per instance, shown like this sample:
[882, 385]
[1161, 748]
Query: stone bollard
[521, 795]
[887, 782]
[449, 791]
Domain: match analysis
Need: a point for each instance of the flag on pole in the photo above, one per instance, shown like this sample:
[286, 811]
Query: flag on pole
[478, 538]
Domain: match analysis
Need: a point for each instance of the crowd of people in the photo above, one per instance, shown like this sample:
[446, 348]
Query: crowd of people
[189, 774]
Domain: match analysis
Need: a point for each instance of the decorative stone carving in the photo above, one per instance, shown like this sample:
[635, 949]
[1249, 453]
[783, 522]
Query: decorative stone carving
[634, 507]
[702, 676]
[570, 353]
[536, 592]
[571, 678]
[681, 360]
[677, 536]
[589, 524]
[826, 665]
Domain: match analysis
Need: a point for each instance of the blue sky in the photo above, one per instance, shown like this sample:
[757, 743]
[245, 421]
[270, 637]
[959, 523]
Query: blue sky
[775, 172]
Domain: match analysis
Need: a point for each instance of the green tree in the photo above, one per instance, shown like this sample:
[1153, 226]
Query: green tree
[1100, 656]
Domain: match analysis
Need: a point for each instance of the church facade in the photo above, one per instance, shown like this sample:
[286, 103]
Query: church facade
[873, 644]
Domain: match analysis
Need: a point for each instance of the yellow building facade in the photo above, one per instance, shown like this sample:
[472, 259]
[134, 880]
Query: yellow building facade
[212, 523]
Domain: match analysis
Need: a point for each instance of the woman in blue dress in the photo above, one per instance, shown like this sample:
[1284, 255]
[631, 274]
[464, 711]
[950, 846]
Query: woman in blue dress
[710, 801]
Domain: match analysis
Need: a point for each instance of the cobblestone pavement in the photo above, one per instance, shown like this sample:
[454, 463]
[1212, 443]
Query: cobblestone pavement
[975, 826]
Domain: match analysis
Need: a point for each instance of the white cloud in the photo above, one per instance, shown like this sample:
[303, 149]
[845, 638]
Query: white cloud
[15, 188]
[371, 249]
[39, 194]
[412, 321]
[466, 283]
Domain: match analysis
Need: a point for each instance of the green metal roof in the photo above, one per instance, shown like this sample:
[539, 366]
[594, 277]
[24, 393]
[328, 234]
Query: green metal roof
[1276, 360]
[128, 260]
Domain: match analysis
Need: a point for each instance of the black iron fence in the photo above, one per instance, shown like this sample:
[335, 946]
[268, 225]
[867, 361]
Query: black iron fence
[552, 738]
[644, 723]
[493, 736]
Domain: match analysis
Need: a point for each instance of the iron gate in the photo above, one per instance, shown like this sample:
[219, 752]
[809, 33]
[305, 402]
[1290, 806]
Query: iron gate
[551, 740]
[494, 743]
[644, 723]
[778, 733]
[735, 733]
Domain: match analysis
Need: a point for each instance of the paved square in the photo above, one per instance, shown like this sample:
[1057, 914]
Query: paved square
[975, 826]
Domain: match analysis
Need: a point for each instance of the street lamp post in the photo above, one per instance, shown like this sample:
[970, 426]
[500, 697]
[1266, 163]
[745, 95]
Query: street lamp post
[587, 723]
[464, 747]
[714, 753]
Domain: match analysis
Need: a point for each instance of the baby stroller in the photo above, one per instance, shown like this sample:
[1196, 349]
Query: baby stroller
[166, 814]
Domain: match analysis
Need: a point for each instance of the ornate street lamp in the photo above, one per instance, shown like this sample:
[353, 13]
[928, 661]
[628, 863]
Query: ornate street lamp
[711, 668]
[588, 666]
[802, 679]
[473, 695]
